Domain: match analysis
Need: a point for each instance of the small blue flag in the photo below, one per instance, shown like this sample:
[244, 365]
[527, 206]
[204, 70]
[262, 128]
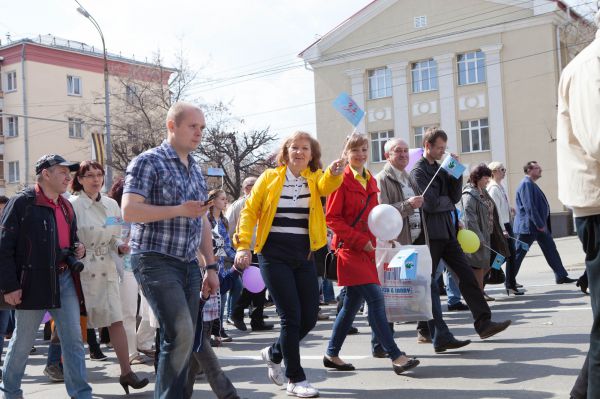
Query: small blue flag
[113, 221]
[498, 261]
[346, 106]
[453, 167]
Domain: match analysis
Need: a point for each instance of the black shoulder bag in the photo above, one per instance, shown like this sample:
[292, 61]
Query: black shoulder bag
[330, 272]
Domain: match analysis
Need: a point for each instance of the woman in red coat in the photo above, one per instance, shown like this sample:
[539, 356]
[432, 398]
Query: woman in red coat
[356, 258]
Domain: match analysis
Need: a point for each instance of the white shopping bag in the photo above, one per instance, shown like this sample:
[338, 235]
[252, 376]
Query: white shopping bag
[405, 299]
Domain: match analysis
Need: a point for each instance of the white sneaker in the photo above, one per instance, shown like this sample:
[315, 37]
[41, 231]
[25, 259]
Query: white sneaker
[302, 389]
[275, 371]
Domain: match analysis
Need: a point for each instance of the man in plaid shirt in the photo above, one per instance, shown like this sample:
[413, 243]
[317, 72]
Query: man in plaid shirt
[164, 197]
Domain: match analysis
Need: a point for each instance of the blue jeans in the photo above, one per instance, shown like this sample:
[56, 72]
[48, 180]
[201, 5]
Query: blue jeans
[27, 324]
[440, 333]
[354, 297]
[295, 291]
[4, 319]
[172, 288]
[452, 289]
[544, 238]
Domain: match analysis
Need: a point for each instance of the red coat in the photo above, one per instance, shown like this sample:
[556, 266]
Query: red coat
[354, 265]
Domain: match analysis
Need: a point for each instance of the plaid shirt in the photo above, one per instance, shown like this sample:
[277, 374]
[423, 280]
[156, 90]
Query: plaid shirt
[159, 176]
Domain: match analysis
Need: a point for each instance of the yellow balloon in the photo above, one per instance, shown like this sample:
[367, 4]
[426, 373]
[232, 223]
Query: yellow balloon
[468, 241]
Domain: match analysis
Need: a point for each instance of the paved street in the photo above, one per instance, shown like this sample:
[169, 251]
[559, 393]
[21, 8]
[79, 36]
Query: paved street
[538, 357]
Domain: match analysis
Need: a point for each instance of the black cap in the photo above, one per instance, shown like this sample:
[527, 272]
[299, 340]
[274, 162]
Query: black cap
[50, 160]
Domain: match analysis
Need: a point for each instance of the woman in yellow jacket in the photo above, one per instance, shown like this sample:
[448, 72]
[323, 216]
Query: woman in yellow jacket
[286, 204]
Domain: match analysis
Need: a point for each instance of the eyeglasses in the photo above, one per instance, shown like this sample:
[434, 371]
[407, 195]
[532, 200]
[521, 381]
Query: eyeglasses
[502, 169]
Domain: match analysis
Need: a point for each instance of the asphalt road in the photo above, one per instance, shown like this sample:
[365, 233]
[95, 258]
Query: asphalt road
[538, 357]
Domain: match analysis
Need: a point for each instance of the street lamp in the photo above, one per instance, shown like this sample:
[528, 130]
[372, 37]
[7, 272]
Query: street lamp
[108, 181]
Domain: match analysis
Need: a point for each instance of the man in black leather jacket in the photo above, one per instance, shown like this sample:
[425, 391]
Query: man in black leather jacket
[38, 224]
[439, 199]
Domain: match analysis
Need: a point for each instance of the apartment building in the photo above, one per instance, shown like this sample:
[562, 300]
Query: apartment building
[52, 101]
[485, 71]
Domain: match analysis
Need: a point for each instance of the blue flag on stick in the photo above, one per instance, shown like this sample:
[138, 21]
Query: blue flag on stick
[453, 167]
[346, 106]
[523, 245]
[498, 261]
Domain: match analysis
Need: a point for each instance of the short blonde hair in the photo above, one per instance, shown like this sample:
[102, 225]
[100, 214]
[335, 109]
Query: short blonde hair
[283, 156]
[355, 141]
[495, 165]
[177, 111]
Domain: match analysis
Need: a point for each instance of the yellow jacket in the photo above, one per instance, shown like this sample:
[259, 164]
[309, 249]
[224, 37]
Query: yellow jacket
[261, 207]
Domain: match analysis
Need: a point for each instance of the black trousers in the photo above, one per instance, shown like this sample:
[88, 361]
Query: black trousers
[588, 231]
[258, 302]
[455, 258]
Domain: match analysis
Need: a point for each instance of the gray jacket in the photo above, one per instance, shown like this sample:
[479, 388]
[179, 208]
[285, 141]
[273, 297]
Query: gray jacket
[475, 216]
[390, 192]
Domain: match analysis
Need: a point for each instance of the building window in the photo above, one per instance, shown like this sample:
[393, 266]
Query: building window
[75, 128]
[73, 85]
[419, 132]
[424, 76]
[421, 21]
[13, 172]
[12, 126]
[11, 81]
[380, 83]
[475, 135]
[131, 94]
[471, 68]
[378, 140]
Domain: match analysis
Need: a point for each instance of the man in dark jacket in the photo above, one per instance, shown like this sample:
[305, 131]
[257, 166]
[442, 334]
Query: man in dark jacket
[38, 224]
[532, 223]
[439, 199]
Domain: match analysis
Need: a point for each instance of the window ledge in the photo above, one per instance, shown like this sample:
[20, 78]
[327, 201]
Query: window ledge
[74, 95]
[472, 84]
[476, 152]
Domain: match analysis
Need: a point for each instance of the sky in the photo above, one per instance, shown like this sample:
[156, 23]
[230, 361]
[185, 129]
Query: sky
[221, 39]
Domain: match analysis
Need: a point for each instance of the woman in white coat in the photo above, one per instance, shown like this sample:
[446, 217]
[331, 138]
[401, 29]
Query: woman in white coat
[99, 229]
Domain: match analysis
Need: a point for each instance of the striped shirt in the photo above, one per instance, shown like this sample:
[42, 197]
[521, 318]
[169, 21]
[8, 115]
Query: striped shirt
[288, 237]
[162, 179]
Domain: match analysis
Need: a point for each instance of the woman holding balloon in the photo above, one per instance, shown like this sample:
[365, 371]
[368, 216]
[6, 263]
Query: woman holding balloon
[286, 204]
[347, 213]
[480, 216]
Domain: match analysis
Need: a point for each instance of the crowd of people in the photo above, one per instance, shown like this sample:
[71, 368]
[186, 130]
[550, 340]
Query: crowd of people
[162, 239]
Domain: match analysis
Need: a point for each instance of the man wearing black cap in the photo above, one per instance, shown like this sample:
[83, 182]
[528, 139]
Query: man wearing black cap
[37, 230]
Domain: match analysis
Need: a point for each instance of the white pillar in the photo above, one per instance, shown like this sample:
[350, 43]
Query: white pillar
[495, 101]
[400, 100]
[446, 79]
[358, 93]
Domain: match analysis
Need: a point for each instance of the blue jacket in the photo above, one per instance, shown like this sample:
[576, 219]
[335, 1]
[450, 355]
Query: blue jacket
[533, 210]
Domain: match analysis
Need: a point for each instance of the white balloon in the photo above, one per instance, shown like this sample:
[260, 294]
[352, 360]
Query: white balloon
[385, 222]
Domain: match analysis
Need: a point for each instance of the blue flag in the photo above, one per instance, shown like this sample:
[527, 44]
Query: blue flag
[346, 106]
[113, 221]
[453, 167]
[498, 261]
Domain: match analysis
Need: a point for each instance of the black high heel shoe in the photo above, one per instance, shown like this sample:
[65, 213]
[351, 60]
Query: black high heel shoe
[132, 380]
[514, 291]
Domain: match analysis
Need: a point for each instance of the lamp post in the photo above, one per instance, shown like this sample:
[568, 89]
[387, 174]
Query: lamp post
[108, 180]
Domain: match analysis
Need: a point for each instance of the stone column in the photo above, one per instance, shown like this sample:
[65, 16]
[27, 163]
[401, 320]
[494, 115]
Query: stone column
[446, 81]
[493, 72]
[400, 100]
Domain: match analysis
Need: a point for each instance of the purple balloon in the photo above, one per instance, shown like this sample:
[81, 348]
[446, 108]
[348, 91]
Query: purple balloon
[414, 154]
[46, 318]
[252, 280]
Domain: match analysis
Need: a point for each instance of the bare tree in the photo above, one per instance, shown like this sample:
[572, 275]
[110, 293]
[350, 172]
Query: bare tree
[139, 105]
[579, 31]
[240, 153]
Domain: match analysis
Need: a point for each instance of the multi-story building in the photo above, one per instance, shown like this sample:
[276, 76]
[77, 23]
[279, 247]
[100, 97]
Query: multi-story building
[52, 101]
[485, 71]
